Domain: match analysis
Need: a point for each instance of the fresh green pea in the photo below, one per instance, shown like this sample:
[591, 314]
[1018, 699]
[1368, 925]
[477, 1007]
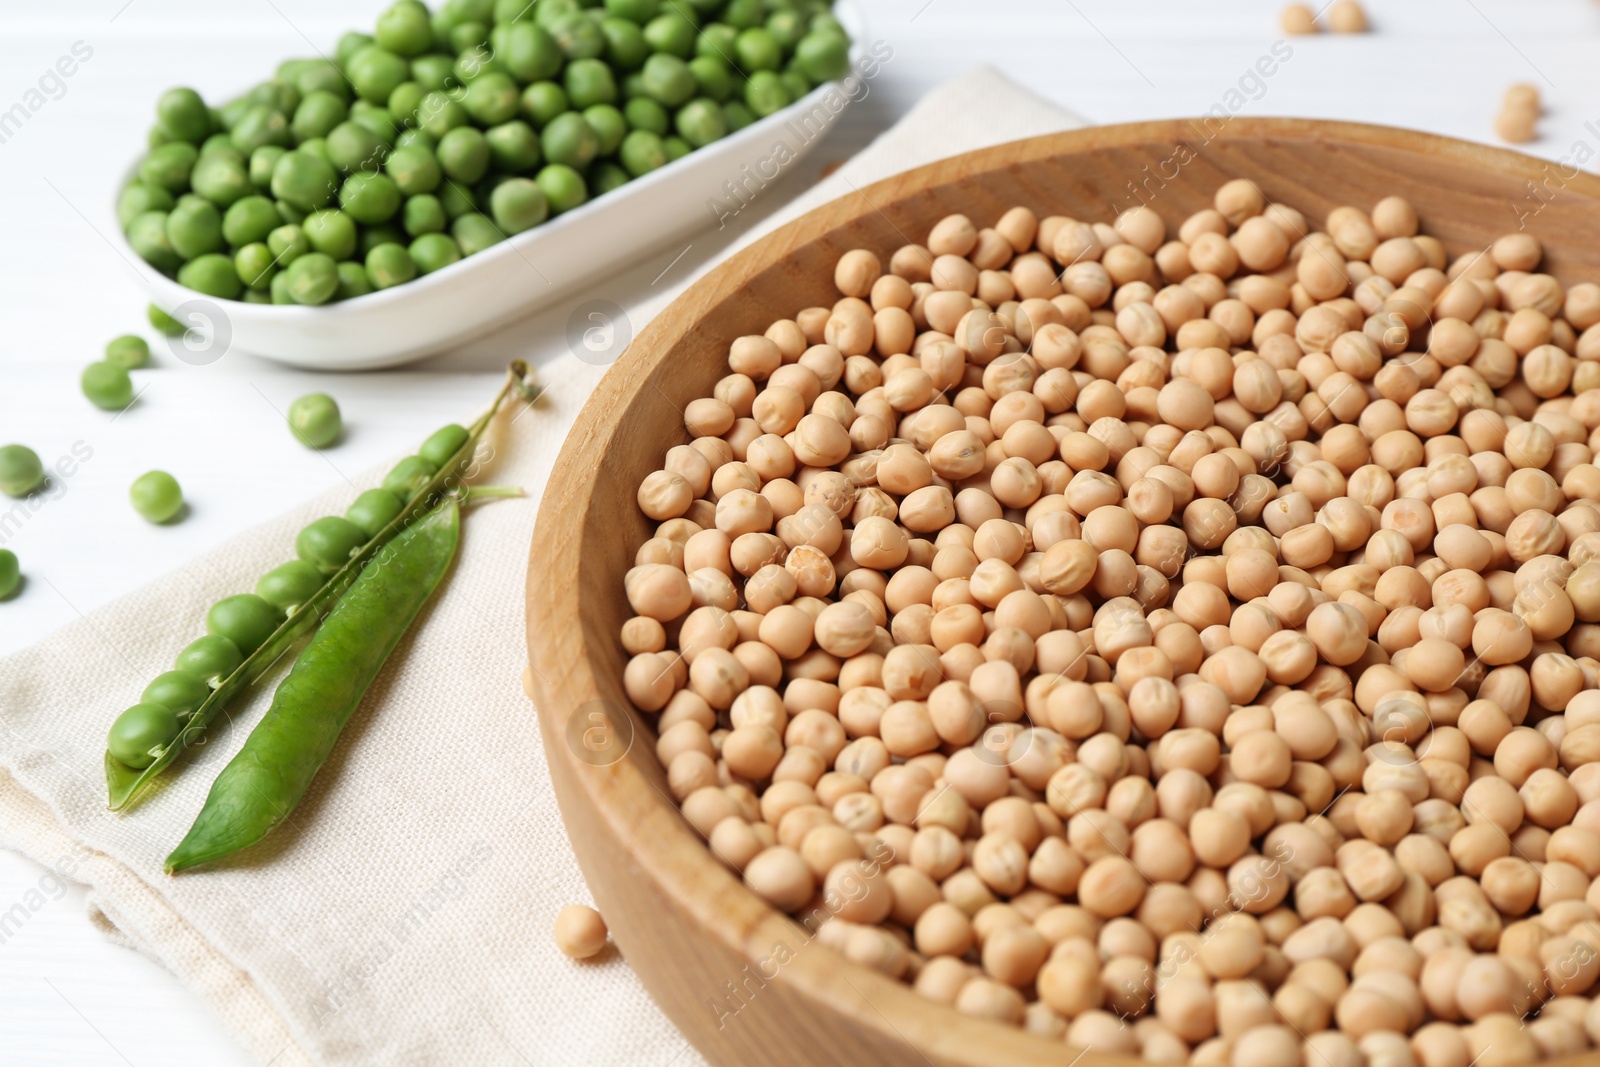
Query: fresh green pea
[404, 102]
[317, 115]
[644, 113]
[369, 197]
[563, 187]
[569, 140]
[245, 619]
[464, 154]
[375, 119]
[700, 122]
[633, 86]
[475, 232]
[440, 113]
[194, 227]
[277, 94]
[178, 691]
[492, 99]
[279, 290]
[10, 573]
[737, 114]
[262, 160]
[474, 63]
[212, 274]
[329, 542]
[352, 146]
[823, 55]
[468, 35]
[518, 204]
[456, 200]
[672, 33]
[183, 115]
[349, 44]
[255, 266]
[332, 233]
[626, 48]
[668, 80]
[228, 115]
[169, 166]
[409, 476]
[375, 71]
[609, 126]
[638, 11]
[259, 296]
[588, 82]
[543, 101]
[388, 265]
[287, 244]
[21, 472]
[314, 420]
[796, 83]
[249, 220]
[416, 138]
[156, 496]
[742, 14]
[163, 323]
[787, 28]
[432, 72]
[303, 180]
[405, 29]
[353, 281]
[141, 732]
[443, 444]
[312, 279]
[514, 146]
[605, 176]
[221, 179]
[711, 74]
[321, 76]
[374, 509]
[579, 36]
[137, 198]
[642, 152]
[413, 170]
[434, 251]
[371, 237]
[423, 214]
[716, 40]
[545, 13]
[212, 657]
[261, 125]
[129, 351]
[289, 585]
[148, 236]
[220, 144]
[676, 148]
[289, 213]
[765, 93]
[530, 53]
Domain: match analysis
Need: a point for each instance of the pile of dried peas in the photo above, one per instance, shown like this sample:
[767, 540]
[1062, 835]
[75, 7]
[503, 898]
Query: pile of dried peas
[1183, 647]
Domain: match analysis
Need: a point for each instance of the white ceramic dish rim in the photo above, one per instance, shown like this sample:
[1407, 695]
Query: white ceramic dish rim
[169, 293]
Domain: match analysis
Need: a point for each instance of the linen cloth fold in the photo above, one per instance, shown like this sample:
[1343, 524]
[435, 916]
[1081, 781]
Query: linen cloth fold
[403, 914]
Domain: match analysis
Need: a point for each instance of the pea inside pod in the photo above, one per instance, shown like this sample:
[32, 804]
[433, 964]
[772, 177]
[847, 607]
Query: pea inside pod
[141, 732]
[329, 542]
[374, 509]
[210, 657]
[179, 691]
[245, 619]
[409, 475]
[291, 584]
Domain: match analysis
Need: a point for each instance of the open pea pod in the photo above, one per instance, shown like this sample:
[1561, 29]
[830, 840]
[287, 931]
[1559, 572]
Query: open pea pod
[125, 785]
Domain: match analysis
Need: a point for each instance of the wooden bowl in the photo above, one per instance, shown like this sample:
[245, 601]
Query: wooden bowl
[741, 980]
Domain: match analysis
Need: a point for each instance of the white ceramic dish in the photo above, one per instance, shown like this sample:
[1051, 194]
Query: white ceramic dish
[519, 275]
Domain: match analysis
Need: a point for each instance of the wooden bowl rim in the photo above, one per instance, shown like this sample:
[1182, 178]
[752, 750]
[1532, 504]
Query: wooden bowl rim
[620, 793]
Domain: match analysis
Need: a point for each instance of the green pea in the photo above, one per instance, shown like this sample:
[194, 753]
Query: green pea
[249, 220]
[319, 112]
[765, 93]
[220, 145]
[317, 146]
[212, 274]
[413, 170]
[321, 76]
[787, 28]
[178, 691]
[349, 44]
[530, 53]
[312, 279]
[642, 152]
[279, 290]
[262, 160]
[372, 236]
[423, 214]
[370, 197]
[569, 140]
[374, 509]
[210, 657]
[563, 187]
[434, 251]
[545, 13]
[168, 167]
[492, 99]
[737, 114]
[439, 113]
[164, 323]
[375, 118]
[442, 445]
[626, 48]
[518, 204]
[742, 14]
[711, 74]
[514, 146]
[352, 146]
[606, 176]
[21, 472]
[388, 265]
[588, 82]
[329, 542]
[456, 200]
[700, 122]
[259, 296]
[353, 281]
[332, 233]
[276, 93]
[129, 351]
[405, 100]
[195, 227]
[468, 35]
[107, 386]
[668, 79]
[375, 72]
[314, 420]
[408, 477]
[290, 585]
[579, 36]
[464, 154]
[183, 115]
[141, 732]
[639, 11]
[303, 180]
[676, 148]
[136, 198]
[148, 236]
[405, 29]
[717, 40]
[287, 244]
[823, 56]
[672, 33]
[10, 573]
[633, 85]
[260, 125]
[543, 101]
[417, 138]
[432, 72]
[795, 82]
[156, 496]
[245, 619]
[644, 113]
[475, 232]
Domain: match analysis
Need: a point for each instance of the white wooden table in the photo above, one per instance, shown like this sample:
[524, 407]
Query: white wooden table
[69, 995]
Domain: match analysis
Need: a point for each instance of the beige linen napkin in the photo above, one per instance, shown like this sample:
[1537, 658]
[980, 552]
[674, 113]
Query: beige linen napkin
[403, 915]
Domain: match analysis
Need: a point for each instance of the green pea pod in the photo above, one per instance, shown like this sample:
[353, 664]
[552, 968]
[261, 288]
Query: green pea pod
[125, 784]
[260, 787]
